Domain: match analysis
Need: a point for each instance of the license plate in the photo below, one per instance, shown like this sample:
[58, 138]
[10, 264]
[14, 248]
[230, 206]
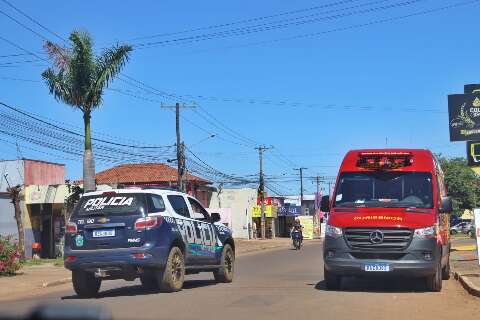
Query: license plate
[377, 267]
[104, 233]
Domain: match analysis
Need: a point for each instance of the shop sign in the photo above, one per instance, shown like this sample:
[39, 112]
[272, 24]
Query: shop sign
[270, 212]
[289, 211]
[464, 116]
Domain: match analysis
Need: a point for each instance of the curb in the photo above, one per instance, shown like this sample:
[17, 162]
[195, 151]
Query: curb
[467, 284]
[56, 282]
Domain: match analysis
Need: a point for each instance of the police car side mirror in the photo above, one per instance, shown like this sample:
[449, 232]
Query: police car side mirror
[215, 217]
[447, 205]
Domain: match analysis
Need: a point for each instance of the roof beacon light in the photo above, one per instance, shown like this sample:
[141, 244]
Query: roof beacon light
[384, 160]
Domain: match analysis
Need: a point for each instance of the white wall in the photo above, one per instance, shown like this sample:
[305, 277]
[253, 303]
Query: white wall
[241, 202]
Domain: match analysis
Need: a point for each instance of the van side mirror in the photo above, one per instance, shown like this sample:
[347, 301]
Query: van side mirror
[325, 204]
[215, 217]
[447, 205]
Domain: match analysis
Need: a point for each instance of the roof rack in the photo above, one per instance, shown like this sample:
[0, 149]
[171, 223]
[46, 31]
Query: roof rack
[160, 188]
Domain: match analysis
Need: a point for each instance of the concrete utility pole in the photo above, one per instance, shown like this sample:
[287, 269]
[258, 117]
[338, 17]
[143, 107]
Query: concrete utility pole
[301, 183]
[180, 146]
[261, 149]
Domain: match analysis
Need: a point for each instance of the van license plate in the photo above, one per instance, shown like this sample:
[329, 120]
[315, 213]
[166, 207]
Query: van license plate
[377, 267]
[104, 233]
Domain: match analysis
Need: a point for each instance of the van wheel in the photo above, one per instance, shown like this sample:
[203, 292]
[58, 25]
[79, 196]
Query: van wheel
[85, 284]
[446, 270]
[148, 279]
[172, 278]
[434, 282]
[332, 281]
[227, 261]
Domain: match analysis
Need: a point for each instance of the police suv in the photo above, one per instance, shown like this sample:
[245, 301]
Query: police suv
[157, 235]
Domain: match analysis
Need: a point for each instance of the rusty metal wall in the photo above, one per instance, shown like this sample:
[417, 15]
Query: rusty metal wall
[39, 172]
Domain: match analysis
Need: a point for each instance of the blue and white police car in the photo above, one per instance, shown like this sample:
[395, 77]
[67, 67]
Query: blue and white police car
[156, 235]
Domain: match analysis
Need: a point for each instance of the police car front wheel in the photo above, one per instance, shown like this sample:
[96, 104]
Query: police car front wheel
[172, 277]
[227, 261]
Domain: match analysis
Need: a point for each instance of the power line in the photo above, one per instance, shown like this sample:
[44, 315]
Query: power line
[246, 31]
[355, 26]
[34, 21]
[244, 20]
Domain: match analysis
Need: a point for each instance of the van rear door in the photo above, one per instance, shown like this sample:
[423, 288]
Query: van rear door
[107, 221]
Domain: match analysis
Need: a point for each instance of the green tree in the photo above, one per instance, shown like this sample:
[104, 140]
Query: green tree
[78, 78]
[462, 184]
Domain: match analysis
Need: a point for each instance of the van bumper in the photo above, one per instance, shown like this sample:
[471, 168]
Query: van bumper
[419, 259]
[119, 259]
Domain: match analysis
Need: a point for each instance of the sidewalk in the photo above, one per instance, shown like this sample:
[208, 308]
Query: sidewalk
[33, 280]
[464, 265]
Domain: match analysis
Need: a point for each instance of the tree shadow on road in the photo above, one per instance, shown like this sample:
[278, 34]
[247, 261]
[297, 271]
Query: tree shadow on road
[139, 290]
[377, 285]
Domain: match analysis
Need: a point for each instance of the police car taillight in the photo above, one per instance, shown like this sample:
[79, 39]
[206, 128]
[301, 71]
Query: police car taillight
[384, 160]
[71, 228]
[148, 223]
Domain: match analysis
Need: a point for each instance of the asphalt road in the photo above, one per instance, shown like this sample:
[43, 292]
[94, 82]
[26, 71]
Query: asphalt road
[279, 284]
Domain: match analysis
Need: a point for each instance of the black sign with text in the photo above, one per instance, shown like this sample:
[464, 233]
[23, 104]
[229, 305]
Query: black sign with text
[464, 116]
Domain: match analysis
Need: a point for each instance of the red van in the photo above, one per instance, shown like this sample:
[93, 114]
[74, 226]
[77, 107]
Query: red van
[388, 216]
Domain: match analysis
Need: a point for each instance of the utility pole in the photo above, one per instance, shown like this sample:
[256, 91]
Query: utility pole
[180, 146]
[261, 149]
[301, 183]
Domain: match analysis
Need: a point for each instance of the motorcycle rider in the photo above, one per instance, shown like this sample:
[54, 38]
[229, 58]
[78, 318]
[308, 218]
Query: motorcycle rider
[297, 227]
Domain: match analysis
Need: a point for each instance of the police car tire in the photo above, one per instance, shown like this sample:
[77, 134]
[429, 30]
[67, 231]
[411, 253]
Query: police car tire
[173, 276]
[332, 281]
[434, 282]
[227, 261]
[85, 284]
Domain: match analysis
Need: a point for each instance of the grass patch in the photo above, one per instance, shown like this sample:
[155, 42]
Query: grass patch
[37, 262]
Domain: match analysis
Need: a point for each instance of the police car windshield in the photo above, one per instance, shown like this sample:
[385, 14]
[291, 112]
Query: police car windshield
[124, 203]
[385, 189]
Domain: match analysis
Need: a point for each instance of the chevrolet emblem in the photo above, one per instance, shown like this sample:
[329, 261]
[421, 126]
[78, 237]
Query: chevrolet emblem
[103, 220]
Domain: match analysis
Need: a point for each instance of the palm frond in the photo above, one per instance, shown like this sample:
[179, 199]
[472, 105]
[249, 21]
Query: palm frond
[108, 65]
[82, 66]
[58, 54]
[59, 87]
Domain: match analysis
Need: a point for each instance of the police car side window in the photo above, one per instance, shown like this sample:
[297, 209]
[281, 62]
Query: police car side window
[197, 208]
[155, 203]
[179, 205]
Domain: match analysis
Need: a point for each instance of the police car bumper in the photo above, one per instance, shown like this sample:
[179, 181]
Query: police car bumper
[126, 259]
[419, 259]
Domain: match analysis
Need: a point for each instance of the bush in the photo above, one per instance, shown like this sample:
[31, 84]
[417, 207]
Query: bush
[9, 256]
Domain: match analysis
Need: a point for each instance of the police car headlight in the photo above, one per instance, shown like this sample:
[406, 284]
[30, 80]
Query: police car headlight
[332, 231]
[428, 232]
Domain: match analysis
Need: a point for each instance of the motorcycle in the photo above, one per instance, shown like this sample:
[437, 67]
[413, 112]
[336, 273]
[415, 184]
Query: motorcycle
[297, 239]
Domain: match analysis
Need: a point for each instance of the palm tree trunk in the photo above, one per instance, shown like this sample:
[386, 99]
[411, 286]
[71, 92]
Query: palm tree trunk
[88, 160]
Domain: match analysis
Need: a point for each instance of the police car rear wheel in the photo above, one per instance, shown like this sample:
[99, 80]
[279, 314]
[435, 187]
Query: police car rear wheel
[85, 284]
[225, 272]
[173, 276]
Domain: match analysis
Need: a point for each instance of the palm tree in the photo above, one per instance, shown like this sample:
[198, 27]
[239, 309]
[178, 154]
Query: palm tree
[78, 78]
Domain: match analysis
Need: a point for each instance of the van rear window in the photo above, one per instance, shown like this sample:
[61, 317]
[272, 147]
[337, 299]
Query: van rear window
[385, 189]
[121, 203]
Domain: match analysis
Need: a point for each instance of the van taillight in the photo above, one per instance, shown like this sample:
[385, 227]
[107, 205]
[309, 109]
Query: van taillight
[148, 223]
[71, 228]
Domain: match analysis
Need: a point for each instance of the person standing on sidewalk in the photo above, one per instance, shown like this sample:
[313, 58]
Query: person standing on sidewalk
[254, 230]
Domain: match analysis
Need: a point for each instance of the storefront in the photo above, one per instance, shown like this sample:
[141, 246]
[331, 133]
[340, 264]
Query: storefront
[271, 224]
[286, 218]
[45, 219]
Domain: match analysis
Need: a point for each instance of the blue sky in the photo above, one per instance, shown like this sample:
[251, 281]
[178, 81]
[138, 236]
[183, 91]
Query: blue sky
[361, 87]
